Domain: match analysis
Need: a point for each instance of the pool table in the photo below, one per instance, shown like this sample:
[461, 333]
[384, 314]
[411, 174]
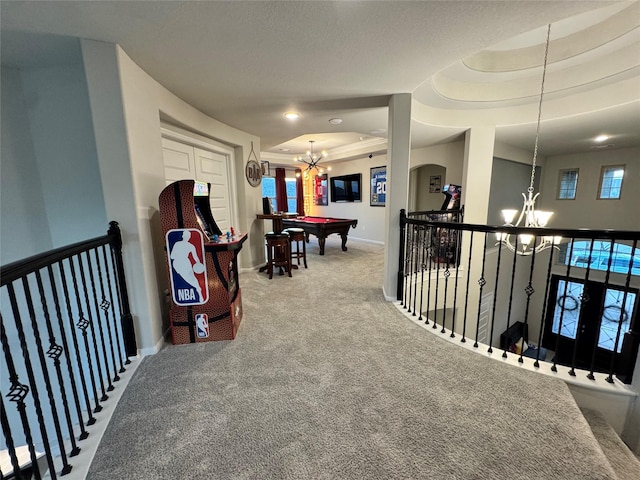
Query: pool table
[322, 227]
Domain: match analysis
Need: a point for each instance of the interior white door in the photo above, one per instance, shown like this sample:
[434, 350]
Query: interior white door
[183, 161]
[211, 167]
[179, 161]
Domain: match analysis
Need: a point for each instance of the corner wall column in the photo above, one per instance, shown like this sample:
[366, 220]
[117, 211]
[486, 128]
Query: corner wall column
[398, 154]
[476, 173]
[476, 186]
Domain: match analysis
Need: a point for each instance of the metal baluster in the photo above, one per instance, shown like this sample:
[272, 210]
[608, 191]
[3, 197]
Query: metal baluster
[11, 447]
[455, 288]
[74, 337]
[83, 324]
[466, 293]
[65, 345]
[414, 274]
[447, 274]
[435, 306]
[19, 391]
[92, 328]
[98, 321]
[423, 265]
[104, 306]
[622, 311]
[481, 282]
[584, 298]
[113, 309]
[418, 265]
[545, 302]
[16, 394]
[45, 371]
[554, 367]
[495, 299]
[54, 353]
[429, 238]
[513, 276]
[603, 297]
[529, 290]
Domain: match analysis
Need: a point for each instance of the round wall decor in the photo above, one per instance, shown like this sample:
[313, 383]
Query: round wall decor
[253, 173]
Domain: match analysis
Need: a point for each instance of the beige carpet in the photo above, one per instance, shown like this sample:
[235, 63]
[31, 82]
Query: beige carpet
[326, 380]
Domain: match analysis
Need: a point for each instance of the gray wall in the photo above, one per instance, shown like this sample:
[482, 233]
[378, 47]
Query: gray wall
[51, 190]
[23, 230]
[586, 211]
[509, 180]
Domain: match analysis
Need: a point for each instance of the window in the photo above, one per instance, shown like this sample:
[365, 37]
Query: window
[291, 194]
[269, 190]
[624, 259]
[567, 184]
[611, 182]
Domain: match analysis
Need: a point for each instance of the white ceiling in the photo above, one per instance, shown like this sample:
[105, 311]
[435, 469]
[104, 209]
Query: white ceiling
[466, 63]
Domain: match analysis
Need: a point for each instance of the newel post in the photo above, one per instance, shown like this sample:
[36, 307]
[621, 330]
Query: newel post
[126, 319]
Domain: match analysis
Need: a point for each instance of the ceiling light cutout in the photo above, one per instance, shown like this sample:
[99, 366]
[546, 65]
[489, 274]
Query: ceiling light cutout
[292, 115]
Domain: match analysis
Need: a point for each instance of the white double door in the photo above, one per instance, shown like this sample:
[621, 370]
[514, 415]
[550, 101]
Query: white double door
[204, 163]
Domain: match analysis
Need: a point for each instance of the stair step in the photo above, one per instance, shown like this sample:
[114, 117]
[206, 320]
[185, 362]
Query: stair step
[625, 464]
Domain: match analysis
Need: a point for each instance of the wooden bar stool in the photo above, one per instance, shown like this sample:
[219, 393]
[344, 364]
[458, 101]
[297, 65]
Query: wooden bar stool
[297, 235]
[278, 252]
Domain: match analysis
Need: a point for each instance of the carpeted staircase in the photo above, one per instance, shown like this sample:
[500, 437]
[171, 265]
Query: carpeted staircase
[624, 463]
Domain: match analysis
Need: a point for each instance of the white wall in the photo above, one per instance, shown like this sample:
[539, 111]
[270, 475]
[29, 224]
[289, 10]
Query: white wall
[448, 155]
[370, 219]
[425, 199]
[23, 229]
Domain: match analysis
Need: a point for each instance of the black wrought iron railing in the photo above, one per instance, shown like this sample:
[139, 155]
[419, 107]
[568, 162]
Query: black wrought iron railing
[67, 333]
[571, 304]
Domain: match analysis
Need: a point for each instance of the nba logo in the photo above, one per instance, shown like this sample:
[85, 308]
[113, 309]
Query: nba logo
[202, 325]
[185, 251]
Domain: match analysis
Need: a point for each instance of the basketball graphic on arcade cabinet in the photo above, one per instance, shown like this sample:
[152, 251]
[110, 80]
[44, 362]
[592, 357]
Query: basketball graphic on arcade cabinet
[185, 249]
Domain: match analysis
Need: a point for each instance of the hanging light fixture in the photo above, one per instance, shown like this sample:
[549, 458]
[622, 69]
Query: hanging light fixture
[313, 159]
[529, 215]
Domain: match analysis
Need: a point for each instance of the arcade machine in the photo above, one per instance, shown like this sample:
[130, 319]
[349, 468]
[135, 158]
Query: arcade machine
[452, 197]
[447, 240]
[206, 302]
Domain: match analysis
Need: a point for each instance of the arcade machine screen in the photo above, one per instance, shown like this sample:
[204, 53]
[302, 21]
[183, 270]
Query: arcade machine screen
[452, 197]
[203, 210]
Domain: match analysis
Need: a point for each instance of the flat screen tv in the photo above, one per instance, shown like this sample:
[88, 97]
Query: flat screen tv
[346, 188]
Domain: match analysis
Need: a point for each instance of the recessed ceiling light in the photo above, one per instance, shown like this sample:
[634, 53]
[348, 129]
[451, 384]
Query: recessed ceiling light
[284, 149]
[379, 131]
[335, 121]
[601, 138]
[292, 115]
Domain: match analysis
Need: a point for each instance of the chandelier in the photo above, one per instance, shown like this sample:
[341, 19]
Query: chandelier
[313, 159]
[531, 217]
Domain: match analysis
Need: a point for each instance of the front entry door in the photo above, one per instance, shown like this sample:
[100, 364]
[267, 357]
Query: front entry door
[587, 317]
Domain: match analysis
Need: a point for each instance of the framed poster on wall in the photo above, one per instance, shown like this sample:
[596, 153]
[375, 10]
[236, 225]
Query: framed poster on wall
[378, 195]
[320, 191]
[435, 183]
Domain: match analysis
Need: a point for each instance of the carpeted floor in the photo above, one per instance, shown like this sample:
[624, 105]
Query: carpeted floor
[327, 380]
